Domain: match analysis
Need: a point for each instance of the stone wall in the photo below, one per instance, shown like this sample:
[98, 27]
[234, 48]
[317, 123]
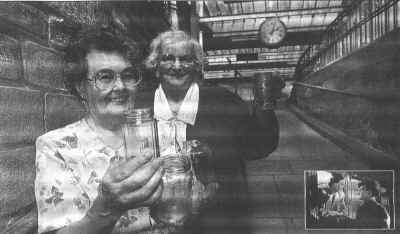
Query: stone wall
[359, 94]
[33, 99]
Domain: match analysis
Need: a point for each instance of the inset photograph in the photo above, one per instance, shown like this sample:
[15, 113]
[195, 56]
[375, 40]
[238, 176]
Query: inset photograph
[343, 199]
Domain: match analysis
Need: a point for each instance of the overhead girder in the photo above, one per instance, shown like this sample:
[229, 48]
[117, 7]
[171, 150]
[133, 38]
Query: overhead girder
[242, 66]
[211, 81]
[282, 13]
[255, 32]
[295, 53]
[292, 38]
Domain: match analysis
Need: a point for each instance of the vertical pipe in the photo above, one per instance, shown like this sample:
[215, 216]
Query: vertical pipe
[371, 22]
[396, 14]
[200, 8]
[174, 16]
[194, 20]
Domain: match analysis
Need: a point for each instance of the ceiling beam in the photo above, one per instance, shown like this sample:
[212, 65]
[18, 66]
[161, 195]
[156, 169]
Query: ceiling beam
[291, 61]
[292, 38]
[282, 49]
[255, 32]
[236, 80]
[261, 60]
[244, 77]
[262, 54]
[233, 67]
[281, 13]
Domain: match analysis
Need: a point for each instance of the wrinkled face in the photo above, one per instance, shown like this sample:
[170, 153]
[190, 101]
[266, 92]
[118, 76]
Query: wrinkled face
[110, 100]
[177, 69]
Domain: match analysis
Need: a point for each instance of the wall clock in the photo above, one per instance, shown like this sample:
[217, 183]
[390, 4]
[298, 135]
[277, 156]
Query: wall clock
[272, 31]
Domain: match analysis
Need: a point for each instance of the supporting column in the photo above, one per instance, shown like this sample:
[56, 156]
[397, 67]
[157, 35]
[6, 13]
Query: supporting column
[174, 16]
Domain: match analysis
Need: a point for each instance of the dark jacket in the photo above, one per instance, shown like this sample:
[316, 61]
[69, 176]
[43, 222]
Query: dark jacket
[224, 123]
[371, 215]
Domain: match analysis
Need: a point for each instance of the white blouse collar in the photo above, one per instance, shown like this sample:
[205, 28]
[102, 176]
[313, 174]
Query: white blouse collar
[187, 111]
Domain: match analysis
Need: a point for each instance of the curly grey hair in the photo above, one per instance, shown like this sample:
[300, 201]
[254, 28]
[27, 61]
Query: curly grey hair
[172, 36]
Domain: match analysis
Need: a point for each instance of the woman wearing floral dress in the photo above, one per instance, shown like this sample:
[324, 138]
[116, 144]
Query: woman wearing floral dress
[83, 182]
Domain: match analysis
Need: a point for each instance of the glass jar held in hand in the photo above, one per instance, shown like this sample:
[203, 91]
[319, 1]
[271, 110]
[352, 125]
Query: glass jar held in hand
[204, 180]
[174, 206]
[199, 154]
[140, 133]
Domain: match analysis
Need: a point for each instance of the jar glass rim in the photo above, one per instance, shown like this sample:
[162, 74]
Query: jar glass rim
[176, 163]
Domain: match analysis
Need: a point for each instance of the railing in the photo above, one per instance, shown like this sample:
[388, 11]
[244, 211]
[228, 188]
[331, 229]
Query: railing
[390, 95]
[362, 22]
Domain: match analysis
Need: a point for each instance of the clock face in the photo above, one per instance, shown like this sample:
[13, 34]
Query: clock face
[272, 31]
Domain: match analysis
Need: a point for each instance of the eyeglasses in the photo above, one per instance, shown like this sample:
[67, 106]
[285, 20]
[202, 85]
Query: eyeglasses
[185, 61]
[105, 78]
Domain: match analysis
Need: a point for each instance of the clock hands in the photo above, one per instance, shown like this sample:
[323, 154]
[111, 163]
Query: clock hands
[272, 31]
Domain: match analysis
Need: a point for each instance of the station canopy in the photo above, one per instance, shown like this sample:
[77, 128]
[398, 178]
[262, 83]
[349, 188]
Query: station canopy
[231, 34]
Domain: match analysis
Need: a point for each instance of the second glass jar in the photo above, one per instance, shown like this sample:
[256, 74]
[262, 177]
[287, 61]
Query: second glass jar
[175, 204]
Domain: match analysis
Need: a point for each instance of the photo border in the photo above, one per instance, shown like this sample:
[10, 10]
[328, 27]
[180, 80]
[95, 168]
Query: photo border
[344, 229]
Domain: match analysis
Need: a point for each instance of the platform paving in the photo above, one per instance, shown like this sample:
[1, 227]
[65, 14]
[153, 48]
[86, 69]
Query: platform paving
[276, 183]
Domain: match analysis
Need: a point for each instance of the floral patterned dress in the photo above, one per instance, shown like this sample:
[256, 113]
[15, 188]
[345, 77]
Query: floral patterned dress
[70, 163]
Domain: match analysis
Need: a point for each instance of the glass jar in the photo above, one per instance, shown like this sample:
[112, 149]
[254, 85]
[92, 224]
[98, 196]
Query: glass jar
[203, 173]
[140, 132]
[175, 203]
[199, 154]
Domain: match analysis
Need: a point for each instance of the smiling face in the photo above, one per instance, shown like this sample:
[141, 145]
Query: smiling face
[177, 69]
[112, 101]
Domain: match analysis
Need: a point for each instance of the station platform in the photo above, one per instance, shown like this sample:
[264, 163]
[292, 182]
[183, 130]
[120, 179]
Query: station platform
[276, 183]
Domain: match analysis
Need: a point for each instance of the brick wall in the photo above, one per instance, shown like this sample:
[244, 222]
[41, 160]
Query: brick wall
[33, 100]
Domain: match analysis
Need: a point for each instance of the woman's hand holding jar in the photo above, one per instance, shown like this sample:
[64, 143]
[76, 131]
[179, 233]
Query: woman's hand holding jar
[127, 185]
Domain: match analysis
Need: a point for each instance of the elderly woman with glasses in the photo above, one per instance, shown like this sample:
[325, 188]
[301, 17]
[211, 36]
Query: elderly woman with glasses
[83, 182]
[187, 110]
